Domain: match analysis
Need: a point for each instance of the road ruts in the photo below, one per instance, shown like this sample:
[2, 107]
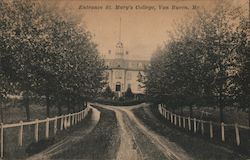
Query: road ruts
[114, 133]
[138, 142]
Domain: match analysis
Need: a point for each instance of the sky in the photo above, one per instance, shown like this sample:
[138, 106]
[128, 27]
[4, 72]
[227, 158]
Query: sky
[144, 24]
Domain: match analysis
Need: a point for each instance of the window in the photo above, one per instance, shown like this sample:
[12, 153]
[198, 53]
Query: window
[107, 75]
[129, 75]
[118, 75]
[129, 85]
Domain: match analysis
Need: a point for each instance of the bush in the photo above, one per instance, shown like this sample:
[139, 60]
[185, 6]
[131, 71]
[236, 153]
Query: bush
[108, 92]
[129, 93]
[119, 102]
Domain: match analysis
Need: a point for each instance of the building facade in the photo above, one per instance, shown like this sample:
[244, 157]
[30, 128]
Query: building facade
[123, 73]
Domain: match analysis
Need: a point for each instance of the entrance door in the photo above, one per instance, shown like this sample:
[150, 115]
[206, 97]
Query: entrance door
[118, 87]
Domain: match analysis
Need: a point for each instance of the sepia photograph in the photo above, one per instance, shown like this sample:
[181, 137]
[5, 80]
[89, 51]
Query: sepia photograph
[125, 79]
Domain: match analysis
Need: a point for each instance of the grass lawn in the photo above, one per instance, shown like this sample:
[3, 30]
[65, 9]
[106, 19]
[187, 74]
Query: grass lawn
[231, 114]
[16, 114]
[197, 146]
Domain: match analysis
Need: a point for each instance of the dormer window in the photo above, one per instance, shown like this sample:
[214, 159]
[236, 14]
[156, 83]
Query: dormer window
[140, 65]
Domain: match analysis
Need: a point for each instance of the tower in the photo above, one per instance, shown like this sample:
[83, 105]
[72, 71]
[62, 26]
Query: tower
[119, 50]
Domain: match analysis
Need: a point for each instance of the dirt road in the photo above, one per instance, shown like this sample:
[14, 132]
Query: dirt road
[137, 142]
[114, 133]
[131, 133]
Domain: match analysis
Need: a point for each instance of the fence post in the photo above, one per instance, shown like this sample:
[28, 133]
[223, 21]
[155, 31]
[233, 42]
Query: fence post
[84, 112]
[184, 122]
[20, 137]
[237, 134]
[55, 125]
[62, 122]
[222, 132]
[171, 117]
[189, 124]
[2, 140]
[69, 120]
[179, 121]
[68, 117]
[175, 119]
[76, 118]
[65, 121]
[36, 130]
[195, 125]
[47, 128]
[168, 115]
[211, 129]
[73, 119]
[202, 127]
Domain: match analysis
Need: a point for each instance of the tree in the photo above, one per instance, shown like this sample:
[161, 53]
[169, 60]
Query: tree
[108, 92]
[47, 55]
[243, 78]
[218, 33]
[129, 93]
[198, 64]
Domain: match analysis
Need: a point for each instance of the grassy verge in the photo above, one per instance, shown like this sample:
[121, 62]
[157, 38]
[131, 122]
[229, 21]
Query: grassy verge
[195, 146]
[231, 114]
[13, 151]
[102, 143]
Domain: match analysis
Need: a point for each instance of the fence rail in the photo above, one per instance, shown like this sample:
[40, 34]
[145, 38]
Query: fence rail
[193, 124]
[65, 122]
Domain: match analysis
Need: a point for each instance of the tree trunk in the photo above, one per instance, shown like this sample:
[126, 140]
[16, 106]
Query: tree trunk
[68, 105]
[47, 105]
[182, 111]
[249, 116]
[59, 110]
[173, 110]
[221, 107]
[191, 111]
[221, 114]
[84, 104]
[27, 106]
[1, 112]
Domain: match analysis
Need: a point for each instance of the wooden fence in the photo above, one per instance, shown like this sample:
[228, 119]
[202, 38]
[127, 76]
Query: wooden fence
[195, 125]
[59, 123]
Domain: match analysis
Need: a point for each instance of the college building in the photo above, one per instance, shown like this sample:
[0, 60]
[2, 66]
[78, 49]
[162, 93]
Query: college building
[123, 73]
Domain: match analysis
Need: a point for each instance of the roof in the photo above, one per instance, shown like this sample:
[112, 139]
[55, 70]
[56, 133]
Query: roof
[139, 65]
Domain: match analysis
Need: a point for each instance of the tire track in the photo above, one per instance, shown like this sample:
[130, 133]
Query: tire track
[169, 149]
[147, 143]
[68, 141]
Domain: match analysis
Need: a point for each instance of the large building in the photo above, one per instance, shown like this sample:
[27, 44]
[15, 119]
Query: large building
[123, 73]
